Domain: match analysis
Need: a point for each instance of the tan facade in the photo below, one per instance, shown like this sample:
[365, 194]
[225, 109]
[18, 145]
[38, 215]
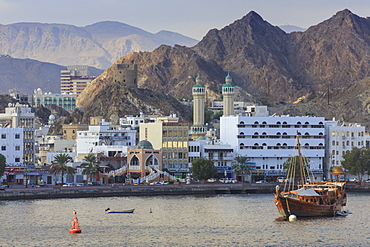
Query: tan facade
[96, 120]
[172, 138]
[70, 130]
[139, 160]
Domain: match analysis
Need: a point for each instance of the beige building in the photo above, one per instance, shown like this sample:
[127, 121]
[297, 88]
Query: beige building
[70, 130]
[172, 137]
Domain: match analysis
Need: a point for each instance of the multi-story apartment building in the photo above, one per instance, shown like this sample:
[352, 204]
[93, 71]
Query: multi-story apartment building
[75, 79]
[270, 141]
[105, 139]
[65, 100]
[20, 116]
[342, 138]
[172, 137]
[11, 146]
[222, 156]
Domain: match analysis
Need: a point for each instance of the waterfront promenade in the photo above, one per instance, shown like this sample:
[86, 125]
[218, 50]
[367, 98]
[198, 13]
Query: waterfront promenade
[20, 193]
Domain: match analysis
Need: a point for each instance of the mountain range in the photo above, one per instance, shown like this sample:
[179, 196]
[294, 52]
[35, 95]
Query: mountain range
[268, 66]
[322, 71]
[97, 45]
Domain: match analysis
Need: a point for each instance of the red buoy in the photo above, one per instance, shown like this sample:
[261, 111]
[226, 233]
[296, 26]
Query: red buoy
[75, 226]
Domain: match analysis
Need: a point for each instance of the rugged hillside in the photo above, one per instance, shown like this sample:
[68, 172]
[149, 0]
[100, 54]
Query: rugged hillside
[270, 66]
[97, 45]
[25, 75]
[335, 51]
[103, 97]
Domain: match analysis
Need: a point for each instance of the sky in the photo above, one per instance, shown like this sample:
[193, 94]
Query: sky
[193, 18]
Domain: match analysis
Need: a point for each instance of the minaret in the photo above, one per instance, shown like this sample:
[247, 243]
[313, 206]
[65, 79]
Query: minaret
[198, 91]
[228, 96]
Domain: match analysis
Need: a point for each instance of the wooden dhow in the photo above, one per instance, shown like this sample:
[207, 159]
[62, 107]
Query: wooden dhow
[304, 197]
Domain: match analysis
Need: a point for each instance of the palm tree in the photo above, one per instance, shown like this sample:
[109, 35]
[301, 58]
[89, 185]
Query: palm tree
[241, 168]
[60, 165]
[90, 166]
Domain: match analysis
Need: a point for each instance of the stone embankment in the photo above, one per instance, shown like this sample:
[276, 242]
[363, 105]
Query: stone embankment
[147, 190]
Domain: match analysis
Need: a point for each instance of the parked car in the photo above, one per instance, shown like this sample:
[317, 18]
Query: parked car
[280, 179]
[93, 183]
[69, 185]
[41, 185]
[233, 181]
[228, 180]
[81, 184]
[211, 180]
[261, 182]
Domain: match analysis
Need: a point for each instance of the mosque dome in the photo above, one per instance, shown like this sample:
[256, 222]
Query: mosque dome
[144, 144]
[198, 81]
[337, 169]
[228, 81]
[52, 117]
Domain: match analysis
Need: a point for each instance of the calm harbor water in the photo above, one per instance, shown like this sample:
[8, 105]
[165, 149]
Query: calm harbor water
[222, 220]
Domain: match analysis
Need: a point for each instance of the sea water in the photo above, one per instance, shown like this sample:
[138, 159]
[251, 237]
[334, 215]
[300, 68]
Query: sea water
[220, 220]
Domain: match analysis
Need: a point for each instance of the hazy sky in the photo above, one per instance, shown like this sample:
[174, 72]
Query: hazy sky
[193, 18]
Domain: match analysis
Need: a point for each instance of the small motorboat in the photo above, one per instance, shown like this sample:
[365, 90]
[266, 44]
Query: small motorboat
[129, 211]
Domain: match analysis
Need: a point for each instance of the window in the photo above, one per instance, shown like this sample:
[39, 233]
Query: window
[17, 160]
[17, 148]
[3, 148]
[3, 136]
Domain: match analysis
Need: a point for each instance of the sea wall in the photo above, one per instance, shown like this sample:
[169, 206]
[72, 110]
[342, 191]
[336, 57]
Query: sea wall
[130, 190]
[148, 190]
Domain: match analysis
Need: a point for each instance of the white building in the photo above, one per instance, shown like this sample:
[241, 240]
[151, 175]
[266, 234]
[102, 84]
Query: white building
[11, 146]
[342, 138]
[104, 139]
[222, 156]
[270, 141]
[133, 121]
[20, 116]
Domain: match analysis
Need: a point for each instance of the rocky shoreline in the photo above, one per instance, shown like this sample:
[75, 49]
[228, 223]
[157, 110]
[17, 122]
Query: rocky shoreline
[147, 190]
